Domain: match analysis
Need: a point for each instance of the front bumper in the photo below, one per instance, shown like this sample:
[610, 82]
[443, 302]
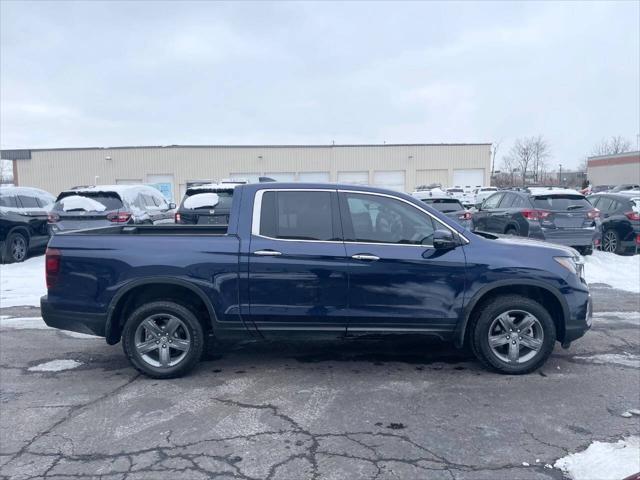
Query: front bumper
[81, 322]
[579, 323]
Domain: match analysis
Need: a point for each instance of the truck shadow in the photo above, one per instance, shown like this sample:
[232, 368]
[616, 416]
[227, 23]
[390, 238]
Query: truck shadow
[409, 349]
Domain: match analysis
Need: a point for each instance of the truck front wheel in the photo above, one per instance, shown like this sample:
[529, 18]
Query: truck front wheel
[163, 339]
[513, 335]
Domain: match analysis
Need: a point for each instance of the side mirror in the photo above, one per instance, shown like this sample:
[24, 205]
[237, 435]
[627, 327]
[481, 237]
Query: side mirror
[444, 240]
[172, 206]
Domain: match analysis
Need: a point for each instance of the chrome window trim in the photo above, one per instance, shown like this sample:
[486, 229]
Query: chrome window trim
[257, 210]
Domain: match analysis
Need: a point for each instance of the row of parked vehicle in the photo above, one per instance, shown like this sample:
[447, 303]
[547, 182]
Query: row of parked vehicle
[609, 220]
[29, 216]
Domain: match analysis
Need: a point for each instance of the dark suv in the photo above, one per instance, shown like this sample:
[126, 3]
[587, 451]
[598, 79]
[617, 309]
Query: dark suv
[620, 216]
[555, 215]
[208, 204]
[23, 221]
[104, 205]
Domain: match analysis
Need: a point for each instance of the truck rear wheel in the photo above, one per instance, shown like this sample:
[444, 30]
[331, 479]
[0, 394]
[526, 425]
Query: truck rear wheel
[513, 335]
[163, 339]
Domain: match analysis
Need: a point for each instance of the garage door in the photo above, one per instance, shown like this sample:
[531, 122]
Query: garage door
[354, 178]
[471, 177]
[281, 176]
[393, 179]
[427, 177]
[313, 177]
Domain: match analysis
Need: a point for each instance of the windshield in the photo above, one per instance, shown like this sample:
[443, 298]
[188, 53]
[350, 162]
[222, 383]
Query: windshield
[444, 205]
[204, 199]
[455, 190]
[562, 202]
[89, 202]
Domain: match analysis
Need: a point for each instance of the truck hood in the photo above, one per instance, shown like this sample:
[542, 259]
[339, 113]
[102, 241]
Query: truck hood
[560, 250]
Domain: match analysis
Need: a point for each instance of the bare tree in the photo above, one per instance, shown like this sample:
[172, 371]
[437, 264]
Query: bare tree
[520, 157]
[540, 152]
[6, 171]
[612, 146]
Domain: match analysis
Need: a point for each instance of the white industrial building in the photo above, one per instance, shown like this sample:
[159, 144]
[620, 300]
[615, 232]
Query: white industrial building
[173, 168]
[614, 169]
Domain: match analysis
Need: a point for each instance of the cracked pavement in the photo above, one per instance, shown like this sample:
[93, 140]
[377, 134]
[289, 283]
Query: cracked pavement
[373, 409]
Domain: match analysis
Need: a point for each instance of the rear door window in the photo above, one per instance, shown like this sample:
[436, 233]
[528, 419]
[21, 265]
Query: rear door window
[27, 201]
[298, 216]
[561, 203]
[604, 204]
[507, 200]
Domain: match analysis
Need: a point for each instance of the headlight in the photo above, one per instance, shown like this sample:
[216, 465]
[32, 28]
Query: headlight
[574, 264]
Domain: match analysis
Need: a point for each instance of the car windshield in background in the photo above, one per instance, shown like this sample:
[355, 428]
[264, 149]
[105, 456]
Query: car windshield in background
[204, 199]
[561, 202]
[444, 205]
[89, 202]
[455, 190]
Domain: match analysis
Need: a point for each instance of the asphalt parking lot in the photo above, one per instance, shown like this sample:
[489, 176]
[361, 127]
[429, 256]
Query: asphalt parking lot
[407, 408]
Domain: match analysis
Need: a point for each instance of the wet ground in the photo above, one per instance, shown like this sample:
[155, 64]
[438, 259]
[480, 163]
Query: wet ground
[371, 408]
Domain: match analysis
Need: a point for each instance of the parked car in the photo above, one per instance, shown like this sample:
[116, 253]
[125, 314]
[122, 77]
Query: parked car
[552, 214]
[317, 259]
[625, 186]
[482, 193]
[601, 188]
[620, 217]
[23, 221]
[106, 205]
[452, 208]
[208, 204]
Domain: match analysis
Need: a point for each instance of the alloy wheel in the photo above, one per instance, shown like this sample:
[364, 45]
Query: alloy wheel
[610, 242]
[515, 336]
[162, 340]
[18, 248]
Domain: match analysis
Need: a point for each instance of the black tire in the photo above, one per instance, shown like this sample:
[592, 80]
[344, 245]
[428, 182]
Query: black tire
[585, 251]
[609, 237]
[479, 334]
[511, 231]
[16, 248]
[190, 325]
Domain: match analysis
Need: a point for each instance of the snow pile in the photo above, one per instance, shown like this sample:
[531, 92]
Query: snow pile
[23, 323]
[22, 283]
[621, 272]
[626, 359]
[77, 202]
[604, 461]
[201, 200]
[55, 366]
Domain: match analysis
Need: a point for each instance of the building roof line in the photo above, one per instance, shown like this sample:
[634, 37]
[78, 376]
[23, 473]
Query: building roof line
[347, 145]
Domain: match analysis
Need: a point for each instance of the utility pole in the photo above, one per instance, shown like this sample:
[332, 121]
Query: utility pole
[560, 179]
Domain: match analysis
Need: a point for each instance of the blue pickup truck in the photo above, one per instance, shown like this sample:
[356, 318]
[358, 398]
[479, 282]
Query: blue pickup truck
[320, 259]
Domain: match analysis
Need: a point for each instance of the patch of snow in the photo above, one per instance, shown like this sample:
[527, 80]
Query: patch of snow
[604, 461]
[525, 464]
[77, 334]
[78, 202]
[626, 414]
[621, 272]
[632, 318]
[626, 359]
[23, 323]
[55, 366]
[22, 283]
[634, 411]
[200, 200]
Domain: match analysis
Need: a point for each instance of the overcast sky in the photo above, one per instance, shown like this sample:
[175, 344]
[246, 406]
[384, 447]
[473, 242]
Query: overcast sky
[77, 74]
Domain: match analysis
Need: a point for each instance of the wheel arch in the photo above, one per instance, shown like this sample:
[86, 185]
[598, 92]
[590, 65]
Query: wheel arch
[548, 296]
[166, 288]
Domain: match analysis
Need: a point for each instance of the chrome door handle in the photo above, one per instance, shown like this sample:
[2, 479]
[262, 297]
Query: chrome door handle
[366, 257]
[267, 253]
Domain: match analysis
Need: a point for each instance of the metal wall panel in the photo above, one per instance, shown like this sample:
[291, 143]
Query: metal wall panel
[56, 170]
